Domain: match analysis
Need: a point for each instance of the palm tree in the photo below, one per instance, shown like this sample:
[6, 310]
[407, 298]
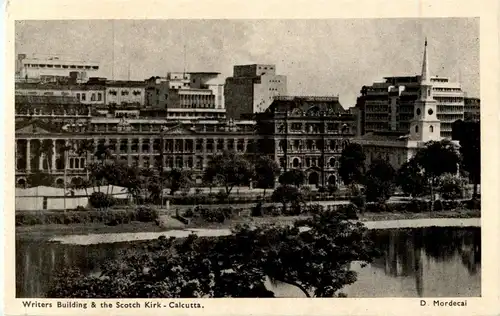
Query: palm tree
[86, 147]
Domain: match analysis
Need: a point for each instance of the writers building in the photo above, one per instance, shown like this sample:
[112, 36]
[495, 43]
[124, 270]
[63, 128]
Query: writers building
[306, 133]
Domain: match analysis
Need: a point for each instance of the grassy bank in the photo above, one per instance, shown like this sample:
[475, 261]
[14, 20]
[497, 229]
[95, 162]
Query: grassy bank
[47, 231]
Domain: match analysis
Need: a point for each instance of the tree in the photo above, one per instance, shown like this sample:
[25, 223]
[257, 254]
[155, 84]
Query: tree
[294, 177]
[436, 159]
[379, 181]
[285, 194]
[410, 178]
[352, 164]
[229, 170]
[266, 171]
[47, 150]
[451, 186]
[469, 135]
[39, 178]
[234, 265]
[86, 148]
[179, 179]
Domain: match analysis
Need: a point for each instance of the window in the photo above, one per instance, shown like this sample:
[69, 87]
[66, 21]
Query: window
[416, 129]
[83, 96]
[124, 92]
[92, 97]
[99, 96]
[431, 129]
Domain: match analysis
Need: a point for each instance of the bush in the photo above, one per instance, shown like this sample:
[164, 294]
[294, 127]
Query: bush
[313, 208]
[438, 206]
[257, 210]
[80, 208]
[332, 188]
[146, 214]
[101, 200]
[473, 204]
[272, 210]
[359, 201]
[350, 211]
[188, 213]
[452, 187]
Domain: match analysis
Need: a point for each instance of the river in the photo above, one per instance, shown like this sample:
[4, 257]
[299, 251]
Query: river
[416, 262]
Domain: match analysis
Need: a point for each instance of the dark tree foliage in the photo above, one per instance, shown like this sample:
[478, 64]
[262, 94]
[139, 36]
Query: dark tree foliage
[294, 177]
[286, 194]
[39, 178]
[179, 179]
[315, 258]
[229, 170]
[436, 159]
[379, 181]
[411, 179]
[352, 164]
[266, 171]
[469, 136]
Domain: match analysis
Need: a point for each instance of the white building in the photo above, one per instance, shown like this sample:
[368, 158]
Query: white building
[49, 68]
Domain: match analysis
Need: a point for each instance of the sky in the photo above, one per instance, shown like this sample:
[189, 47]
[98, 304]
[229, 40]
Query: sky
[321, 57]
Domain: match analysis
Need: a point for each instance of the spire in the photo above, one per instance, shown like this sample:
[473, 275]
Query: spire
[425, 65]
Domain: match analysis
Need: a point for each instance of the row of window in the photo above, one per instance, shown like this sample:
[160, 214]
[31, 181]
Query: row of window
[125, 92]
[93, 96]
[60, 66]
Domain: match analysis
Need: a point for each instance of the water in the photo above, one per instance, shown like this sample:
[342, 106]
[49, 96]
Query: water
[417, 262]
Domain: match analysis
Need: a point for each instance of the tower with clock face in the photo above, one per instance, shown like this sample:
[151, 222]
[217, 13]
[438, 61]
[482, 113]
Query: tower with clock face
[425, 125]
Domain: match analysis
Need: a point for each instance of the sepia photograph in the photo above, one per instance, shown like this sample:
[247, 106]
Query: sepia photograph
[248, 158]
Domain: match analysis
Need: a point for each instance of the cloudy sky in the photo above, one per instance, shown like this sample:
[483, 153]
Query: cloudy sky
[320, 57]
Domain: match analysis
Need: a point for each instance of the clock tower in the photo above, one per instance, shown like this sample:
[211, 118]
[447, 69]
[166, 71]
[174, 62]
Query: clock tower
[425, 125]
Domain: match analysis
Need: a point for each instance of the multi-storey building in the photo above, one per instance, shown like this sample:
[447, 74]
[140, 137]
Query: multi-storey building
[252, 89]
[86, 94]
[193, 95]
[472, 107]
[389, 105]
[306, 133]
[51, 68]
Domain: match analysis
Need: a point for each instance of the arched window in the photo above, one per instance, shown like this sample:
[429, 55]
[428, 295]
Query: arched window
[416, 129]
[296, 162]
[431, 129]
[332, 162]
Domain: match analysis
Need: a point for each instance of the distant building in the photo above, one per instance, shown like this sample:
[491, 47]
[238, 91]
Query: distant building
[192, 95]
[252, 89]
[33, 68]
[472, 107]
[389, 105]
[306, 133]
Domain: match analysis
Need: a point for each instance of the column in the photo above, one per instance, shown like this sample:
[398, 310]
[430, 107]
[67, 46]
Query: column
[151, 143]
[140, 151]
[129, 151]
[245, 144]
[40, 158]
[204, 153]
[224, 144]
[53, 162]
[28, 155]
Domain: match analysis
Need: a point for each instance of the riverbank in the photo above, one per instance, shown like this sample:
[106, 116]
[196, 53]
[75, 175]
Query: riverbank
[50, 231]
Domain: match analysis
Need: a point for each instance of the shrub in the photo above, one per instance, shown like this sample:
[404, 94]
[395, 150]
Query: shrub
[80, 208]
[321, 189]
[146, 214]
[452, 187]
[438, 206]
[332, 188]
[188, 213]
[473, 204]
[359, 201]
[350, 210]
[272, 210]
[257, 210]
[314, 208]
[101, 200]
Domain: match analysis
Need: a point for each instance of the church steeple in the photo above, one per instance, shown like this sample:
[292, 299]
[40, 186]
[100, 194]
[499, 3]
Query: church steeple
[425, 125]
[425, 65]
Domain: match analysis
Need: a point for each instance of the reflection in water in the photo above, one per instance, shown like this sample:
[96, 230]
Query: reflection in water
[433, 261]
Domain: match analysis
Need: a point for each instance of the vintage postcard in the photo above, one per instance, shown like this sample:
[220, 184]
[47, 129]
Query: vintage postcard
[251, 158]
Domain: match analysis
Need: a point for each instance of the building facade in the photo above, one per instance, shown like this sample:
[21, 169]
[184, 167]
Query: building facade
[51, 68]
[472, 109]
[307, 133]
[252, 89]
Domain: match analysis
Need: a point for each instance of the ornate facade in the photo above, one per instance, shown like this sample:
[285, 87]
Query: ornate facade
[307, 133]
